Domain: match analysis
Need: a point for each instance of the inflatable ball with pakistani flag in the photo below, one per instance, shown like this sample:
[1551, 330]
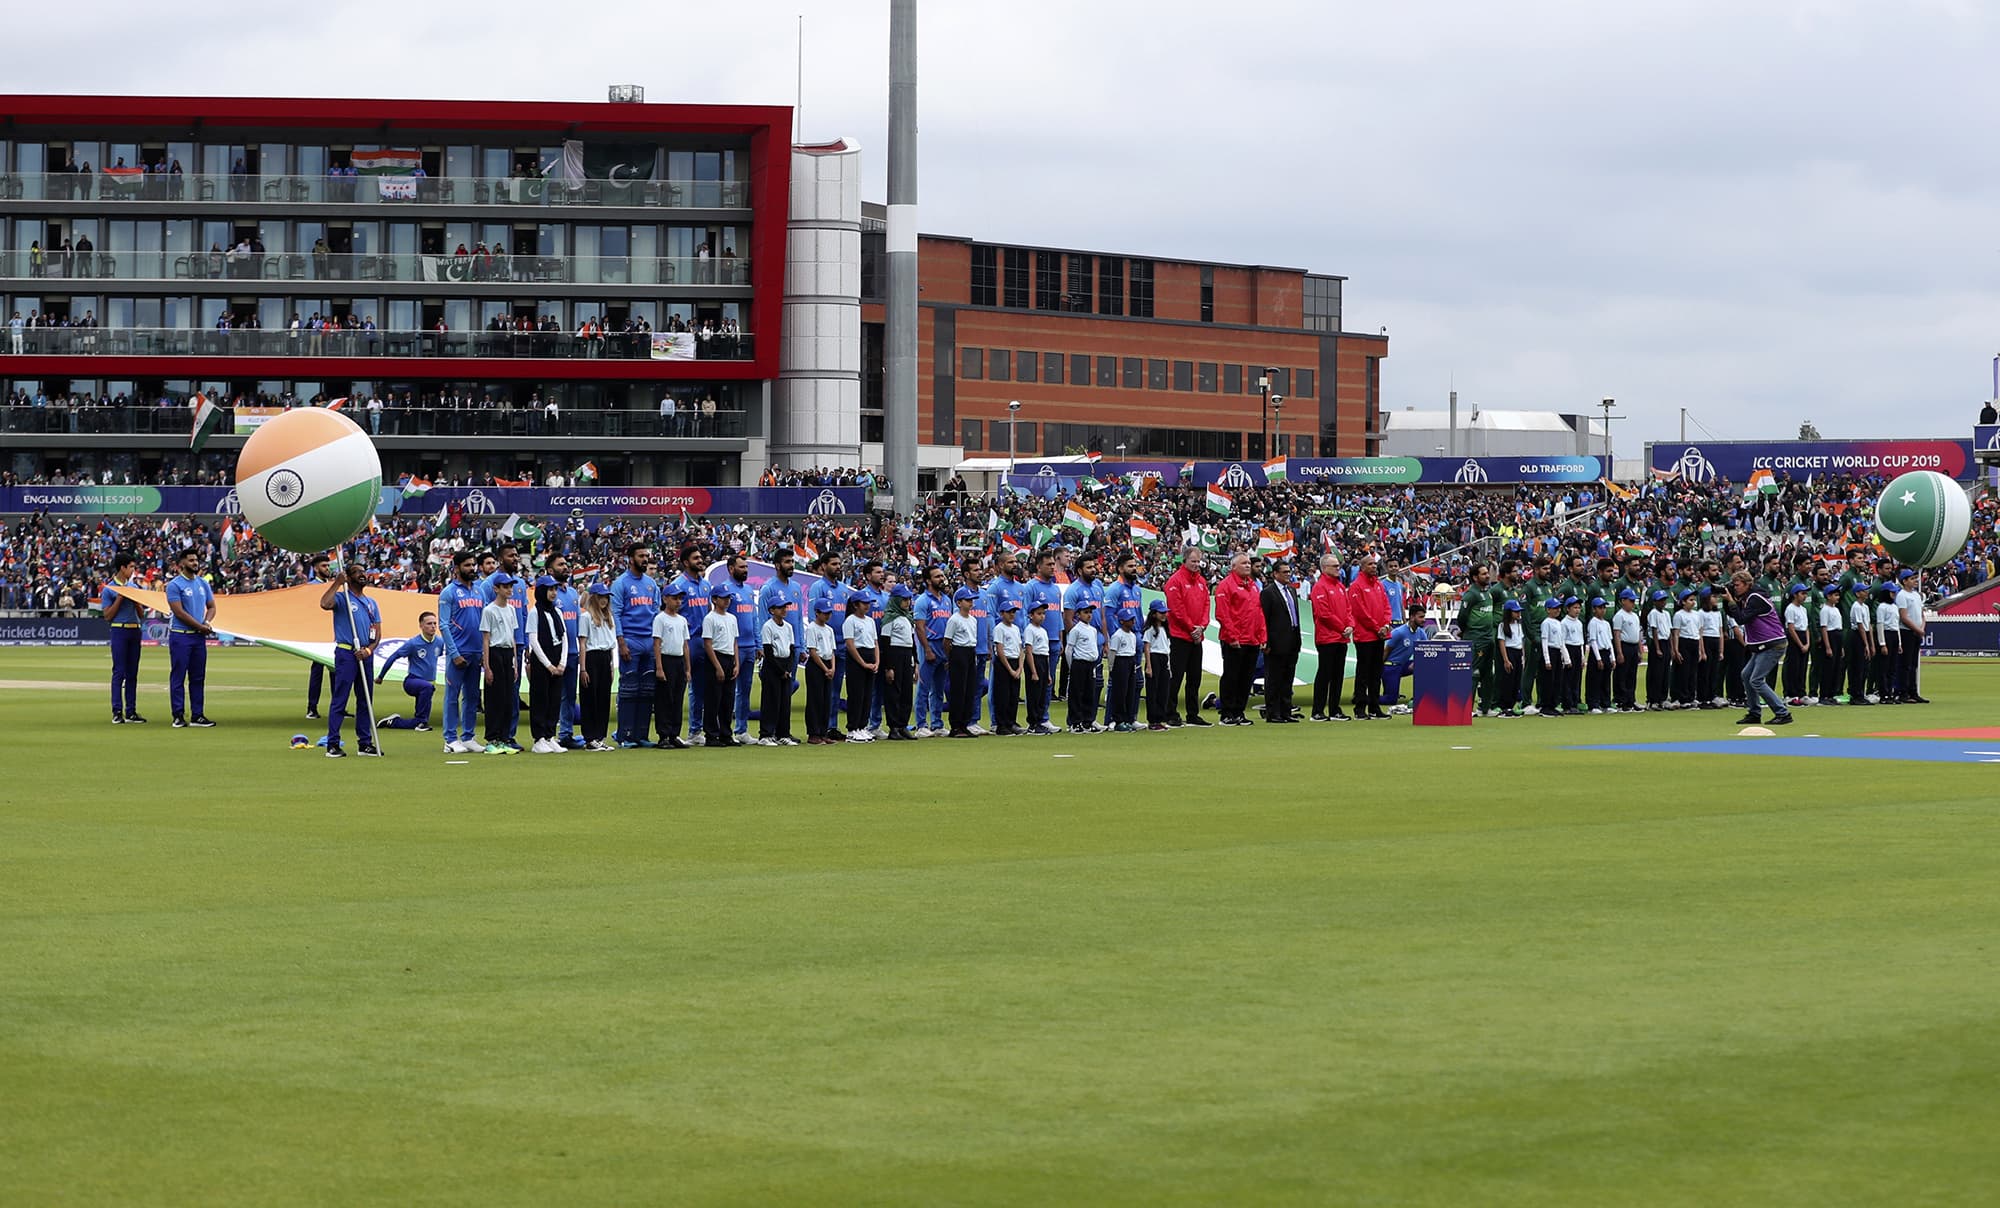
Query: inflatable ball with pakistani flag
[308, 480]
[1923, 519]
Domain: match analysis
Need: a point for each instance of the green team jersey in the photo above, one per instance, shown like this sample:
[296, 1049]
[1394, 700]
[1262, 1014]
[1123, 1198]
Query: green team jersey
[1479, 612]
[1532, 593]
[1774, 589]
[1567, 587]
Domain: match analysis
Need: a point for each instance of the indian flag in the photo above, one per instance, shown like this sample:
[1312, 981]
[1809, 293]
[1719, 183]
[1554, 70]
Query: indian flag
[413, 487]
[1013, 543]
[386, 162]
[337, 404]
[1219, 500]
[1274, 543]
[587, 472]
[806, 551]
[1274, 470]
[1077, 516]
[124, 180]
[207, 418]
[1760, 480]
[229, 540]
[1144, 531]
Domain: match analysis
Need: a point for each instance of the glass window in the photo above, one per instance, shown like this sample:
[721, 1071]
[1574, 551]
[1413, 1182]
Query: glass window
[1142, 289]
[1135, 374]
[1107, 371]
[1048, 280]
[1076, 294]
[1156, 374]
[460, 162]
[1232, 379]
[1206, 377]
[972, 364]
[985, 276]
[1052, 368]
[1079, 369]
[968, 434]
[1110, 285]
[1000, 367]
[1281, 381]
[1015, 292]
[1027, 366]
[1184, 375]
[1024, 437]
[1305, 383]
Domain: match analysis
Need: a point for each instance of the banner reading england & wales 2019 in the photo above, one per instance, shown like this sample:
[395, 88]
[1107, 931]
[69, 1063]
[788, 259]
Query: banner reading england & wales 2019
[1414, 471]
[473, 501]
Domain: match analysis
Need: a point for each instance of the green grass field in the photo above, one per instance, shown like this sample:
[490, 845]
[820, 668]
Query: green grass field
[1288, 965]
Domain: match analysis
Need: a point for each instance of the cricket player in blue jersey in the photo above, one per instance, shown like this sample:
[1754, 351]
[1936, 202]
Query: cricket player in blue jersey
[357, 630]
[635, 601]
[126, 619]
[749, 628]
[874, 585]
[191, 603]
[1008, 587]
[784, 587]
[694, 589]
[569, 604]
[421, 653]
[933, 608]
[459, 607]
[833, 591]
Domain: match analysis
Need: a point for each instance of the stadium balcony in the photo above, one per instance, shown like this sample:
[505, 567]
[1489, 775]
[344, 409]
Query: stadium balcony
[375, 192]
[44, 264]
[352, 342]
[146, 420]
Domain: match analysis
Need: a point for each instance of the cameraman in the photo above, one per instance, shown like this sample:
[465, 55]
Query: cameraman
[1764, 642]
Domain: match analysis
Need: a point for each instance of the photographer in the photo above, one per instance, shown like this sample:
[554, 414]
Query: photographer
[1764, 641]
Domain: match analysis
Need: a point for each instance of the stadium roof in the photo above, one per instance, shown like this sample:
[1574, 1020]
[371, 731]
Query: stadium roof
[1490, 419]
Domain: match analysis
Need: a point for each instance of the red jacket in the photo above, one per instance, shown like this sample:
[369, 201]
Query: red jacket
[1331, 614]
[1187, 604]
[1370, 606]
[1239, 612]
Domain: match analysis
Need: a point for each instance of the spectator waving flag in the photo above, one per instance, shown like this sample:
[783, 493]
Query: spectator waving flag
[1274, 543]
[587, 472]
[207, 418]
[229, 540]
[1219, 500]
[1274, 470]
[337, 404]
[1077, 516]
[1039, 535]
[1144, 531]
[1013, 543]
[806, 551]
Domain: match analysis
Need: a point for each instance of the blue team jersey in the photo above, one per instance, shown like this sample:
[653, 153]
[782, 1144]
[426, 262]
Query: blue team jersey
[749, 626]
[459, 609]
[694, 605]
[930, 614]
[422, 657]
[635, 601]
[835, 594]
[350, 612]
[983, 616]
[1122, 600]
[195, 597]
[121, 612]
[523, 601]
[791, 593]
[1394, 591]
[568, 603]
[878, 602]
[1080, 591]
[1048, 593]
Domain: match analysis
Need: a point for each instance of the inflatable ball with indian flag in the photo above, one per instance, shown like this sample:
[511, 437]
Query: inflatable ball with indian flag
[308, 480]
[1923, 519]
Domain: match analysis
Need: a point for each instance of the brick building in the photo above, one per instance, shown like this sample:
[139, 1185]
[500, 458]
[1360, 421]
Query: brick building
[1160, 356]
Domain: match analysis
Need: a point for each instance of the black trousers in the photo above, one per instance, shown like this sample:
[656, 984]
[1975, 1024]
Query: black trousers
[964, 692]
[1278, 672]
[1038, 691]
[1239, 668]
[544, 700]
[503, 695]
[721, 717]
[860, 692]
[1159, 688]
[1120, 706]
[900, 691]
[1725, 669]
[1507, 691]
[1826, 671]
[1082, 692]
[1006, 698]
[1331, 679]
[596, 696]
[1687, 672]
[819, 695]
[1913, 649]
[1858, 662]
[1549, 690]
[1659, 671]
[1573, 681]
[1184, 677]
[1793, 677]
[1625, 678]
[1367, 676]
[1597, 689]
[669, 696]
[774, 707]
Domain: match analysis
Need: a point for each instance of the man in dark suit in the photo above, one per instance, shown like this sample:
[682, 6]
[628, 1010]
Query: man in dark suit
[1280, 599]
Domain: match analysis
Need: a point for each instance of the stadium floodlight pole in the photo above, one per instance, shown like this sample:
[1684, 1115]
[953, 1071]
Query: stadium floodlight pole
[899, 395]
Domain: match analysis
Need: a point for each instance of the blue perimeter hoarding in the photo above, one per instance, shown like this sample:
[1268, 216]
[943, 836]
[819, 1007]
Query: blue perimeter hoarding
[476, 501]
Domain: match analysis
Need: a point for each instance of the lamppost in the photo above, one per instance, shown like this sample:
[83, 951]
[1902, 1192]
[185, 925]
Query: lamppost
[1264, 389]
[1277, 427]
[1013, 417]
[1610, 468]
[1121, 452]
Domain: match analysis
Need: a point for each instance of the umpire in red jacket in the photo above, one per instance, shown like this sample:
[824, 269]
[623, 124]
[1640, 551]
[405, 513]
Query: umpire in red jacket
[1368, 604]
[1239, 614]
[1187, 621]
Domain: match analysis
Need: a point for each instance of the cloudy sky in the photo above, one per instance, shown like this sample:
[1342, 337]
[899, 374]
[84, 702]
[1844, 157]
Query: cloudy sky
[1764, 211]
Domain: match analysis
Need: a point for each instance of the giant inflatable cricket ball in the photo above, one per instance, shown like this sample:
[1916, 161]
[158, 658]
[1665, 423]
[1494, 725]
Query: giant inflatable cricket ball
[1923, 518]
[308, 480]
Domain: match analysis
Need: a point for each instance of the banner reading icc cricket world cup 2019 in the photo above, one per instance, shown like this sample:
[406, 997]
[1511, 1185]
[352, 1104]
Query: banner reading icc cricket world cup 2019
[1735, 461]
[475, 502]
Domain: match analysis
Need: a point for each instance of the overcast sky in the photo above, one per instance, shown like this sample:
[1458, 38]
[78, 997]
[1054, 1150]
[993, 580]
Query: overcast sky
[1764, 211]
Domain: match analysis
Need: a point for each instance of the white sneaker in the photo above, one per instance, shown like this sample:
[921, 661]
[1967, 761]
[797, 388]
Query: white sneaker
[1597, 712]
[978, 731]
[385, 721]
[1811, 700]
[767, 742]
[699, 740]
[1530, 711]
[1873, 699]
[921, 732]
[788, 742]
[556, 747]
[452, 748]
[858, 736]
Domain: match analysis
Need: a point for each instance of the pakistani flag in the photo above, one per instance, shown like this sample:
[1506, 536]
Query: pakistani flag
[512, 526]
[439, 521]
[1211, 541]
[992, 520]
[229, 540]
[1040, 535]
[207, 418]
[1087, 483]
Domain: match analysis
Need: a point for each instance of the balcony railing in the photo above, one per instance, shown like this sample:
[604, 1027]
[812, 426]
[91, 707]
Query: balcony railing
[381, 191]
[38, 263]
[176, 420]
[659, 346]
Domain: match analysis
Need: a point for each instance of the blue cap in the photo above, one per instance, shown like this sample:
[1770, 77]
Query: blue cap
[963, 593]
[902, 592]
[1626, 593]
[1553, 602]
[546, 581]
[1511, 606]
[1038, 606]
[1084, 606]
[720, 589]
[1659, 593]
[1706, 591]
[1572, 600]
[1685, 593]
[1796, 588]
[671, 589]
[1156, 606]
[1907, 574]
[1007, 606]
[822, 605]
[602, 589]
[503, 579]
[1598, 601]
[1830, 589]
[780, 602]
